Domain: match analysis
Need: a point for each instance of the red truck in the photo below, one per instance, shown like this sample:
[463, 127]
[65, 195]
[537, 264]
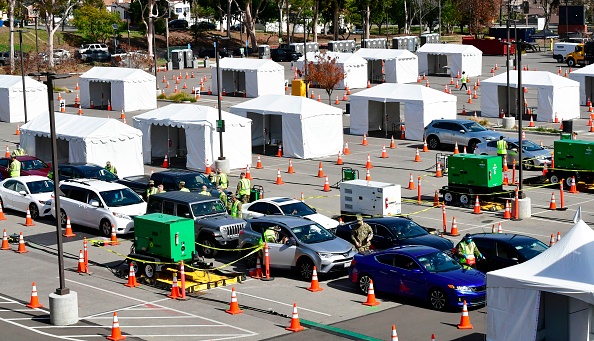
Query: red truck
[489, 46]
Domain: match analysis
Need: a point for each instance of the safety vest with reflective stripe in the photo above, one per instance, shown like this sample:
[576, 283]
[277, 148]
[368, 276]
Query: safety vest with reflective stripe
[501, 147]
[222, 180]
[244, 188]
[15, 168]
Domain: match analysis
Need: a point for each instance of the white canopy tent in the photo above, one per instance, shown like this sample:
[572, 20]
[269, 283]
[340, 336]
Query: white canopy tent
[353, 66]
[86, 139]
[190, 130]
[126, 89]
[11, 98]
[439, 58]
[399, 66]
[251, 77]
[585, 76]
[386, 105]
[556, 95]
[307, 128]
[548, 297]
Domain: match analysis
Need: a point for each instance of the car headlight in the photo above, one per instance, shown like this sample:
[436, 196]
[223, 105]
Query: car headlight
[122, 216]
[460, 288]
[324, 254]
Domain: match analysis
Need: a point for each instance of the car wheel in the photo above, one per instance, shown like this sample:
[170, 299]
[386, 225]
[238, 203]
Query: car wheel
[105, 228]
[206, 247]
[433, 142]
[149, 270]
[364, 280]
[136, 266]
[464, 199]
[568, 181]
[554, 179]
[305, 267]
[472, 146]
[560, 60]
[438, 299]
[570, 62]
[34, 210]
[528, 164]
[63, 218]
[448, 198]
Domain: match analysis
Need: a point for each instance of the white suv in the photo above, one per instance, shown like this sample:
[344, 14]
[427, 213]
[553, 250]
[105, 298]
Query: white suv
[85, 47]
[99, 204]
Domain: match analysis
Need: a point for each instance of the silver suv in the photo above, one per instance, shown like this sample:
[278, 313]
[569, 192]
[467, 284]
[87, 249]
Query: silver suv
[300, 245]
[465, 132]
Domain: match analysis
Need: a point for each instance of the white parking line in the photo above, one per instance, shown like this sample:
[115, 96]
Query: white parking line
[151, 326]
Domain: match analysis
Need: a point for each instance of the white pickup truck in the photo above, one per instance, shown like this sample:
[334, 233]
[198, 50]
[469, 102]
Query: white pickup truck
[560, 51]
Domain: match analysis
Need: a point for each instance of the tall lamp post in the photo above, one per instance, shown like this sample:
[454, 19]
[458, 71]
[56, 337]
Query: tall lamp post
[20, 32]
[221, 163]
[63, 302]
[305, 53]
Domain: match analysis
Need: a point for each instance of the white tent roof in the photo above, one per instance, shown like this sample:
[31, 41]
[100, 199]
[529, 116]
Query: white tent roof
[110, 74]
[248, 64]
[11, 98]
[404, 92]
[347, 59]
[385, 54]
[14, 83]
[531, 79]
[287, 105]
[580, 75]
[181, 115]
[449, 48]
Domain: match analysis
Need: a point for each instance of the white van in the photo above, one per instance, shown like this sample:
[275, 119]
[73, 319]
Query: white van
[560, 50]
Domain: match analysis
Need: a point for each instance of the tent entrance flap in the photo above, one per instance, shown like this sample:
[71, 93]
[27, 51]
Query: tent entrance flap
[502, 99]
[384, 116]
[233, 82]
[99, 94]
[438, 64]
[168, 140]
[43, 149]
[266, 129]
[375, 71]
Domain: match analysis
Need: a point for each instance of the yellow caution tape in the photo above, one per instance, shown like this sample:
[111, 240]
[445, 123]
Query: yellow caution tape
[257, 248]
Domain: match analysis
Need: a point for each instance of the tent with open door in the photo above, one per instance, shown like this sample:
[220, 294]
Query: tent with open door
[556, 95]
[585, 76]
[353, 66]
[549, 297]
[305, 127]
[385, 106]
[189, 130]
[11, 98]
[450, 60]
[126, 89]
[85, 139]
[249, 77]
[390, 65]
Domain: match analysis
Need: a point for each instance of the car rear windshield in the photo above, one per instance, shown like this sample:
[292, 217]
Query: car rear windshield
[312, 233]
[194, 181]
[120, 197]
[33, 165]
[42, 186]
[530, 249]
[298, 209]
[438, 262]
[406, 229]
[208, 208]
[473, 126]
[99, 173]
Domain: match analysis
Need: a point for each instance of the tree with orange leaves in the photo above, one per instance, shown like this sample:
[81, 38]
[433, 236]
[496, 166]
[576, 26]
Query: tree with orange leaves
[324, 72]
[477, 14]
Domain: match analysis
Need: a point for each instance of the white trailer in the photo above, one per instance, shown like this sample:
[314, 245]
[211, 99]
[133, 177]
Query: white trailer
[370, 198]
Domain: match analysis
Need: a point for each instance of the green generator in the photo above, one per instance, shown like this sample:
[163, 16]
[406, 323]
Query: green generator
[475, 170]
[574, 154]
[164, 236]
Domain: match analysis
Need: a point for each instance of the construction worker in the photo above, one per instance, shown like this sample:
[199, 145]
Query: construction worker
[464, 80]
[234, 207]
[222, 195]
[151, 189]
[19, 151]
[501, 147]
[15, 167]
[204, 191]
[222, 179]
[468, 252]
[111, 168]
[361, 235]
[182, 187]
[243, 188]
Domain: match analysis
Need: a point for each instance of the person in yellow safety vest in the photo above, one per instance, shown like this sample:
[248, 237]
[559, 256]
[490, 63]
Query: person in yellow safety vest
[468, 252]
[19, 151]
[222, 179]
[501, 147]
[204, 191]
[222, 195]
[271, 234]
[15, 167]
[243, 188]
[463, 81]
[182, 187]
[111, 168]
[151, 189]
[235, 207]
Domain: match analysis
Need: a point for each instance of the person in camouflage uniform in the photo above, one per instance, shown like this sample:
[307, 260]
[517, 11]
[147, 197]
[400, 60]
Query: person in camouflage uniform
[361, 235]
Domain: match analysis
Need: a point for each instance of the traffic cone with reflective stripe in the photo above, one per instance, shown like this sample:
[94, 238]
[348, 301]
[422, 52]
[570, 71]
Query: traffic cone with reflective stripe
[531, 124]
[454, 231]
[81, 263]
[411, 182]
[456, 151]
[279, 151]
[553, 205]
[5, 245]
[505, 179]
[116, 334]
[21, 248]
[368, 163]
[384, 153]
[315, 286]
[132, 278]
[436, 199]
[339, 161]
[417, 156]
[392, 143]
[364, 142]
[248, 174]
[346, 150]
[326, 185]
[394, 334]
[477, 206]
[113, 239]
[465, 319]
[165, 162]
[77, 87]
[207, 169]
[7, 153]
[34, 302]
[507, 212]
[344, 96]
[174, 289]
[234, 306]
[368, 176]
[2, 217]
[438, 173]
[558, 236]
[505, 169]
[290, 169]
[28, 219]
[320, 171]
[259, 163]
[295, 324]
[279, 179]
[336, 101]
[425, 147]
[573, 188]
[552, 242]
[370, 296]
[499, 228]
[68, 232]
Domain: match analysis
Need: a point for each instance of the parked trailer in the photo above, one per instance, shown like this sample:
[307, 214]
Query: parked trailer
[489, 46]
[573, 158]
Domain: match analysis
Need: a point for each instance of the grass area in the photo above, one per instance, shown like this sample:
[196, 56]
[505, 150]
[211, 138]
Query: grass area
[178, 97]
[547, 130]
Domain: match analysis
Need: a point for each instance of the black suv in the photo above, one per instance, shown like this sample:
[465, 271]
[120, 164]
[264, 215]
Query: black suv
[179, 24]
[284, 55]
[85, 171]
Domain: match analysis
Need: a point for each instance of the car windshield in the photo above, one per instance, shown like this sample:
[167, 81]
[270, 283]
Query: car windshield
[298, 209]
[99, 173]
[406, 229]
[208, 208]
[120, 197]
[473, 127]
[33, 164]
[194, 180]
[42, 186]
[438, 262]
[530, 249]
[312, 233]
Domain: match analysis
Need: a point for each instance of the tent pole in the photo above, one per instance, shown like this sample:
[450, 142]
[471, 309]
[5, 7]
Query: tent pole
[264, 134]
[386, 119]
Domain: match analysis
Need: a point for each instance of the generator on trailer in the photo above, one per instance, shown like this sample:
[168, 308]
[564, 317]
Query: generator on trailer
[573, 158]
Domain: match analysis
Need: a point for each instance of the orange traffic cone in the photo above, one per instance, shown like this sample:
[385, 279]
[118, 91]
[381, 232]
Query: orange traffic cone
[248, 174]
[81, 263]
[319, 98]
[552, 242]
[368, 163]
[77, 87]
[438, 173]
[346, 150]
[427, 83]
[348, 90]
[259, 163]
[5, 245]
[477, 206]
[290, 170]
[344, 96]
[279, 151]
[234, 306]
[417, 156]
[573, 188]
[336, 101]
[34, 302]
[326, 185]
[499, 229]
[505, 169]
[116, 334]
[384, 153]
[368, 84]
[7, 153]
[122, 115]
[313, 96]
[558, 236]
[392, 143]
[553, 204]
[411, 182]
[394, 334]
[113, 239]
[174, 289]
[132, 278]
[279, 180]
[295, 324]
[456, 151]
[370, 296]
[339, 161]
[80, 111]
[368, 176]
[556, 119]
[77, 101]
[59, 96]
[505, 179]
[2, 217]
[320, 171]
[21, 248]
[425, 147]
[531, 124]
[315, 286]
[364, 142]
[465, 319]
[507, 212]
[207, 168]
[28, 219]
[108, 105]
[68, 232]
[454, 231]
[165, 162]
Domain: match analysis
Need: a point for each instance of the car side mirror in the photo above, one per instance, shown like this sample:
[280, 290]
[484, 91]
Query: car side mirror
[291, 242]
[417, 271]
[94, 203]
[22, 193]
[462, 131]
[514, 259]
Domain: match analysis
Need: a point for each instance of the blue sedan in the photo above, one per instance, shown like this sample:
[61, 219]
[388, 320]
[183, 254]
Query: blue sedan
[419, 272]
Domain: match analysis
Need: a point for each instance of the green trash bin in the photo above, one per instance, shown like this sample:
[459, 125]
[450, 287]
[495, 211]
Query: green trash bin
[256, 193]
[349, 174]
[565, 136]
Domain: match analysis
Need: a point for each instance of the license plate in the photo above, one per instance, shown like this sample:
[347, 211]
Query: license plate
[347, 264]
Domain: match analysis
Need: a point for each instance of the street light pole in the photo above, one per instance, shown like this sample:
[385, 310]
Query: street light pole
[23, 73]
[509, 45]
[220, 128]
[305, 53]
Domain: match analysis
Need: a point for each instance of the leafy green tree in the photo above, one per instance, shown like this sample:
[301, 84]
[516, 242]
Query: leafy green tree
[96, 24]
[53, 13]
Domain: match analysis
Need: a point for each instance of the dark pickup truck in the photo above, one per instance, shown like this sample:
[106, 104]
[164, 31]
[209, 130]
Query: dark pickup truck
[170, 180]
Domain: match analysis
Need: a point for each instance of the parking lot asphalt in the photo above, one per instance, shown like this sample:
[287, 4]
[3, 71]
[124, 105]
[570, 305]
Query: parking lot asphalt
[335, 313]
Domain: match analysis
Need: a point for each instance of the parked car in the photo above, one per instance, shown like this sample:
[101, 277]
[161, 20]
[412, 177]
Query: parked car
[96, 56]
[246, 51]
[506, 249]
[5, 57]
[465, 132]
[532, 153]
[286, 206]
[170, 180]
[30, 165]
[99, 204]
[96, 46]
[358, 31]
[419, 272]
[210, 53]
[396, 231]
[307, 244]
[204, 25]
[284, 55]
[179, 24]
[27, 192]
[61, 54]
[85, 171]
